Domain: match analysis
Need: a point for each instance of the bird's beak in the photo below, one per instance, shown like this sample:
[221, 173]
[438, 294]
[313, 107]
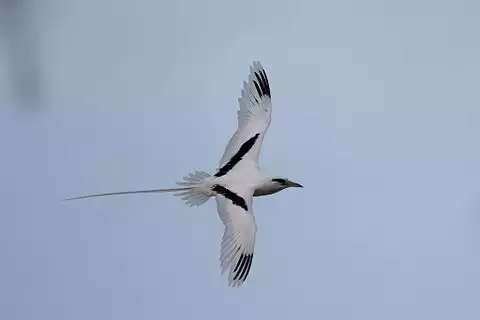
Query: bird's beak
[294, 184]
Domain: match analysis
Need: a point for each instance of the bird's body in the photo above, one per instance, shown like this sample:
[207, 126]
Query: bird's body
[237, 180]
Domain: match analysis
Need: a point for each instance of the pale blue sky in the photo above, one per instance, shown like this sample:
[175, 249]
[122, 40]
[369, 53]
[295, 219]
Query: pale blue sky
[376, 112]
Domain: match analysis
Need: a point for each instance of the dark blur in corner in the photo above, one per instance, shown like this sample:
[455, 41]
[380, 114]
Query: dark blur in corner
[21, 64]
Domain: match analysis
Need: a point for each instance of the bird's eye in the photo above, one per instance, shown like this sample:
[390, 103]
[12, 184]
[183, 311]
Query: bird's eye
[281, 181]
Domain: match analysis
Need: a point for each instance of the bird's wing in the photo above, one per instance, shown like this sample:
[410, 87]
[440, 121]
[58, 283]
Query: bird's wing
[253, 117]
[234, 205]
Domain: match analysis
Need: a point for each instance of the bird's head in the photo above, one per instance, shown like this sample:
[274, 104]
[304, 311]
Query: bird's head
[274, 185]
[285, 183]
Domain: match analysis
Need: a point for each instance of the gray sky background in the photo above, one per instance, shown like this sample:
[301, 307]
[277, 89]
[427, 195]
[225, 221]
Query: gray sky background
[376, 112]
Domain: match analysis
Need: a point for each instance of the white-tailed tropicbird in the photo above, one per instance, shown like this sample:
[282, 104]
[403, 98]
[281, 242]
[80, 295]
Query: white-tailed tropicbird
[238, 178]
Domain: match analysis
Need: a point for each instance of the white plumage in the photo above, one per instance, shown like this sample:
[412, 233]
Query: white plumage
[254, 115]
[237, 180]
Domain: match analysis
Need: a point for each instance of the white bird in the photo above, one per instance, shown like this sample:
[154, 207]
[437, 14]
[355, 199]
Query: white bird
[237, 180]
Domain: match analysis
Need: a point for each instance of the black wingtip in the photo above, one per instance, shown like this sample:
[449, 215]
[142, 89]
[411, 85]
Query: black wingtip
[242, 268]
[261, 83]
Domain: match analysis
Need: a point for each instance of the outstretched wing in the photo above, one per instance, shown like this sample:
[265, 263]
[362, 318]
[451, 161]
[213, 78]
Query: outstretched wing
[253, 116]
[235, 209]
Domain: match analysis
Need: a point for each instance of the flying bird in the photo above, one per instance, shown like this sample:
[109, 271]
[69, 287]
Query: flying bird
[237, 180]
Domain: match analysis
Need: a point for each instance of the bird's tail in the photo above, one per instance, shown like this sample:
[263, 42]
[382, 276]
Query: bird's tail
[194, 190]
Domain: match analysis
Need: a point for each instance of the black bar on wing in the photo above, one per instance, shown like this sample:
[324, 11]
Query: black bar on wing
[232, 196]
[246, 146]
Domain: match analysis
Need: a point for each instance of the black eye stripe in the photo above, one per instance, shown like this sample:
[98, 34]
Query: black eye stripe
[281, 181]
